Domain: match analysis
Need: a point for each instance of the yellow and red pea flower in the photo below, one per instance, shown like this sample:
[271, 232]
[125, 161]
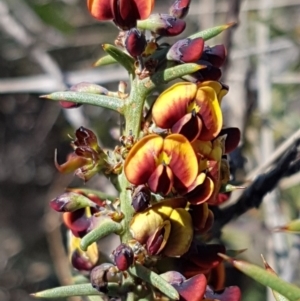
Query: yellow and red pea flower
[210, 156]
[162, 163]
[165, 228]
[88, 158]
[190, 109]
[124, 13]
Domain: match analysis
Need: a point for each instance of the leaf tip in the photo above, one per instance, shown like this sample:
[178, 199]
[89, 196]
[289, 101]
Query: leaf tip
[231, 24]
[226, 257]
[48, 96]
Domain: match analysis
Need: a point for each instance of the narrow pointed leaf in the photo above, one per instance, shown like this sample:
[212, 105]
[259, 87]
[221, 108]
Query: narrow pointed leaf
[108, 102]
[101, 195]
[293, 227]
[209, 33]
[170, 74]
[276, 295]
[120, 56]
[288, 290]
[105, 60]
[154, 279]
[67, 291]
[105, 228]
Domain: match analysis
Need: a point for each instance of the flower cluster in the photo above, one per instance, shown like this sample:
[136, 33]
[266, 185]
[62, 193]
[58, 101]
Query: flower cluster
[171, 167]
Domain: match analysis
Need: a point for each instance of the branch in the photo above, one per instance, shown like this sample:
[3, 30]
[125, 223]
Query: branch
[254, 194]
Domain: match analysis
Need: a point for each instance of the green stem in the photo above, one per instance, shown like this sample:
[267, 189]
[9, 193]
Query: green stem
[105, 228]
[104, 101]
[134, 108]
[126, 208]
[133, 111]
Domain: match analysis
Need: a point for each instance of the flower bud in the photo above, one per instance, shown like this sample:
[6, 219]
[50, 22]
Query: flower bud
[135, 42]
[215, 55]
[86, 88]
[164, 25]
[123, 257]
[186, 50]
[71, 201]
[141, 198]
[180, 8]
[210, 73]
[102, 274]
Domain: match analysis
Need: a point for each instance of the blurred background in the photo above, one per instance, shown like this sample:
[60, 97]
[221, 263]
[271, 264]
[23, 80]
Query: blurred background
[47, 46]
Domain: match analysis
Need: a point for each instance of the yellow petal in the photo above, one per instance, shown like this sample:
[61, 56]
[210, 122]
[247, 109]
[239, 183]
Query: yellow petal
[181, 233]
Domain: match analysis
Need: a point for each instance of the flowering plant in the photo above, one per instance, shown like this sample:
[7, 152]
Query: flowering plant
[170, 167]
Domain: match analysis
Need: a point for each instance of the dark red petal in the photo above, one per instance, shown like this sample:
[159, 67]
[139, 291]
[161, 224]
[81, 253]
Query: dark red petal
[207, 255]
[81, 262]
[231, 293]
[192, 289]
[161, 180]
[189, 126]
[77, 221]
[192, 51]
[233, 137]
[100, 9]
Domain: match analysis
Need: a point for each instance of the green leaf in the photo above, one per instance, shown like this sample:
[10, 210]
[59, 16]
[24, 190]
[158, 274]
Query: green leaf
[87, 98]
[101, 195]
[114, 289]
[120, 56]
[268, 268]
[105, 228]
[169, 74]
[149, 276]
[209, 33]
[292, 227]
[105, 60]
[67, 291]
[288, 290]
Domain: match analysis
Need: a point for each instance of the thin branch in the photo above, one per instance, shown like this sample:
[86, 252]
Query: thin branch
[254, 194]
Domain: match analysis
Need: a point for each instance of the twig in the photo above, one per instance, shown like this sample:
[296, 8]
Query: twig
[253, 195]
[279, 151]
[45, 83]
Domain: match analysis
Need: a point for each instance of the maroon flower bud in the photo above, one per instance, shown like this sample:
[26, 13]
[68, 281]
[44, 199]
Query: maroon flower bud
[71, 201]
[215, 55]
[86, 88]
[123, 257]
[180, 8]
[141, 198]
[102, 274]
[186, 50]
[208, 73]
[165, 25]
[135, 42]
